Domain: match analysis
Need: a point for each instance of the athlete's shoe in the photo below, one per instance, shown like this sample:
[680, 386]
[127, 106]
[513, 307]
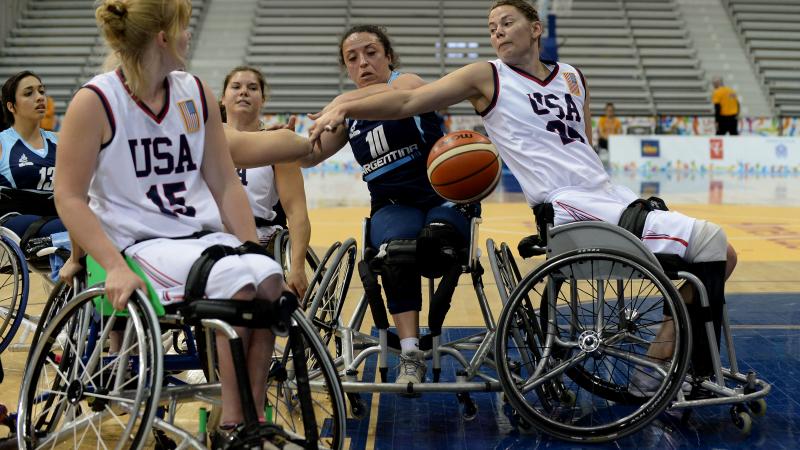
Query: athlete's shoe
[412, 367]
[645, 383]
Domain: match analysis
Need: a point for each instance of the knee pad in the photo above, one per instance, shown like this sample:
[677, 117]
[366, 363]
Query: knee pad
[439, 246]
[708, 242]
[400, 276]
[712, 275]
[398, 252]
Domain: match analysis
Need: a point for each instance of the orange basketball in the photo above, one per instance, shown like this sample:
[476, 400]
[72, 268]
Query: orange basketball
[464, 166]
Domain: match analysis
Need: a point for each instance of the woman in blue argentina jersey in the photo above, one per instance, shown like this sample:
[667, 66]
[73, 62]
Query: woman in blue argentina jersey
[27, 157]
[393, 155]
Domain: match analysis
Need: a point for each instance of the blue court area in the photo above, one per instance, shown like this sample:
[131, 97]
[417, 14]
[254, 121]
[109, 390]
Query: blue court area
[766, 329]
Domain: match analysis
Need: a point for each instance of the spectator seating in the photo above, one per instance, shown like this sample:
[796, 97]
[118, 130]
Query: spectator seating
[59, 41]
[771, 35]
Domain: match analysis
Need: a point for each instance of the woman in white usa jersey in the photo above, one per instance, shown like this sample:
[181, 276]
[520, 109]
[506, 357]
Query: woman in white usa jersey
[144, 142]
[276, 192]
[537, 114]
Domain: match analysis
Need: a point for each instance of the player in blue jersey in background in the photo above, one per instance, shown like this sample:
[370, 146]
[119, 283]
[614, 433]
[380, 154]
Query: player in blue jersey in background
[27, 157]
[393, 155]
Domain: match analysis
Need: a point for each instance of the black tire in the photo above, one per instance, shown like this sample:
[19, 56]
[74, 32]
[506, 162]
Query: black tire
[598, 367]
[14, 286]
[327, 393]
[59, 296]
[79, 379]
[332, 281]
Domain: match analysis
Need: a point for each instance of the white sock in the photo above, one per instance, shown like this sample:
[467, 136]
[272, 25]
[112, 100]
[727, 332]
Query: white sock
[409, 344]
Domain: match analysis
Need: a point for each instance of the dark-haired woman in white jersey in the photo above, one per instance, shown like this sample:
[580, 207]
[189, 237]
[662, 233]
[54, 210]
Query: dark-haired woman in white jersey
[145, 144]
[537, 114]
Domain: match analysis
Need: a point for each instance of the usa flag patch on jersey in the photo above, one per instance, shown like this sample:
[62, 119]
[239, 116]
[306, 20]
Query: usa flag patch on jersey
[572, 83]
[189, 114]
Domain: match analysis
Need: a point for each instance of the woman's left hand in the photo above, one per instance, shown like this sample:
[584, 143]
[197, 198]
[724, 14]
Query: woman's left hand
[325, 121]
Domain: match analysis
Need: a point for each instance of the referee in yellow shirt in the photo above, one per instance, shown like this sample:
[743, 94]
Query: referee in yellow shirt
[726, 108]
[608, 125]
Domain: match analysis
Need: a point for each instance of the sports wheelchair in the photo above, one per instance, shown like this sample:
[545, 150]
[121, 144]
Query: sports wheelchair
[586, 318]
[82, 388]
[352, 347]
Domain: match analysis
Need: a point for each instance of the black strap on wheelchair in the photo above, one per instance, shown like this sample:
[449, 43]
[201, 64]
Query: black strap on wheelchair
[440, 302]
[544, 215]
[634, 216]
[372, 289]
[712, 275]
[33, 231]
[198, 274]
[536, 244]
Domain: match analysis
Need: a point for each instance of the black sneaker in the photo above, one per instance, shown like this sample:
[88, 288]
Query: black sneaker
[263, 436]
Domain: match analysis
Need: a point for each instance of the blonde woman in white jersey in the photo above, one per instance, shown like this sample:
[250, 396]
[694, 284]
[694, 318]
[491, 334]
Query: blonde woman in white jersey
[145, 144]
[276, 193]
[537, 114]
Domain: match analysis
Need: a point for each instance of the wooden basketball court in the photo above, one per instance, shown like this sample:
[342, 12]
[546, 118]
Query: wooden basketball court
[767, 239]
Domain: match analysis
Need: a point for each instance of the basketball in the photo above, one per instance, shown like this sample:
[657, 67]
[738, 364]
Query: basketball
[464, 166]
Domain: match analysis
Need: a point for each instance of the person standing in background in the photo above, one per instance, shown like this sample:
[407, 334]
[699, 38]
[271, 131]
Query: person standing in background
[608, 125]
[49, 121]
[726, 108]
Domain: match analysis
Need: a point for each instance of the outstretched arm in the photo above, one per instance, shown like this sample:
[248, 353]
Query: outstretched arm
[263, 148]
[330, 143]
[474, 82]
[404, 81]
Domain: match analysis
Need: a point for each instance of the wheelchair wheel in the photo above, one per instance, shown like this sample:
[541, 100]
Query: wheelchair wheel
[77, 392]
[603, 311]
[14, 285]
[327, 395]
[504, 268]
[331, 282]
[283, 255]
[59, 296]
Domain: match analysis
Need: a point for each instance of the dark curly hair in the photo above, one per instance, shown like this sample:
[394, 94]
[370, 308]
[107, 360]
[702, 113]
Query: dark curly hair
[380, 33]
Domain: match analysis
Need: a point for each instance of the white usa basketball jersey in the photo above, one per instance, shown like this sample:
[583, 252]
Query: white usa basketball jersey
[539, 129]
[259, 183]
[148, 181]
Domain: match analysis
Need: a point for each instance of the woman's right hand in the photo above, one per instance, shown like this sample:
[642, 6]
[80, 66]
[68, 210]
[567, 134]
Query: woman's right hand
[290, 125]
[120, 284]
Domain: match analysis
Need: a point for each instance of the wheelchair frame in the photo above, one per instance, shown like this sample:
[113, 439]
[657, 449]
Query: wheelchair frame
[353, 347]
[579, 242]
[141, 311]
[727, 385]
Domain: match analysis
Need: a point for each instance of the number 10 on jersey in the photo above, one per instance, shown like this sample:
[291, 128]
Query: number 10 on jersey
[378, 145]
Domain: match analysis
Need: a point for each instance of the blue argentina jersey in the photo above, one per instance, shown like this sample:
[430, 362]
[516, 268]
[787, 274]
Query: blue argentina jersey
[393, 155]
[22, 167]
